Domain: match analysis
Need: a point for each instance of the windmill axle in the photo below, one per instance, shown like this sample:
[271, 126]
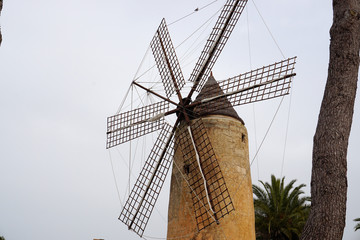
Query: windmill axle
[184, 111]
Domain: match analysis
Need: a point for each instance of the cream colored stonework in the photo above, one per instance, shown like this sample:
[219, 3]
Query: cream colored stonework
[229, 139]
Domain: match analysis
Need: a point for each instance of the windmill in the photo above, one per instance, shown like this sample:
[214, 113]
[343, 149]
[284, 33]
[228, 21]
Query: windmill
[211, 198]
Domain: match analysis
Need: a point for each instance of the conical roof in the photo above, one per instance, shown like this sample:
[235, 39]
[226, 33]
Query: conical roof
[212, 89]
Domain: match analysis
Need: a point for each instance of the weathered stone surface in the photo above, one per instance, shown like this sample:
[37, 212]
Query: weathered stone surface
[229, 139]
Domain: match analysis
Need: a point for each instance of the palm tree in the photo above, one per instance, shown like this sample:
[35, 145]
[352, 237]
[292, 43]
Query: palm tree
[280, 211]
[357, 226]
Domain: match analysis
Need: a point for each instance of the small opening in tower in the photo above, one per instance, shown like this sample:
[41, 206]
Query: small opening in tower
[243, 137]
[187, 168]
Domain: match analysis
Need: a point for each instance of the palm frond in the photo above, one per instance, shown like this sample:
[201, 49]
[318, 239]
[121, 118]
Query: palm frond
[280, 209]
[357, 226]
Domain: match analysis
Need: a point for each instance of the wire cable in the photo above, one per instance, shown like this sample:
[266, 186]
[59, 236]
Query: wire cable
[253, 105]
[123, 101]
[195, 11]
[267, 27]
[286, 135]
[116, 185]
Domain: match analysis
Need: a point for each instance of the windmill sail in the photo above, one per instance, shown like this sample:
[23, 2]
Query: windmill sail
[129, 125]
[166, 60]
[210, 197]
[260, 84]
[140, 204]
[216, 42]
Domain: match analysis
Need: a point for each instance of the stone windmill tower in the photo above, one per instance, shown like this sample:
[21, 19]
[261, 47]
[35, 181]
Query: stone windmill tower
[228, 137]
[207, 145]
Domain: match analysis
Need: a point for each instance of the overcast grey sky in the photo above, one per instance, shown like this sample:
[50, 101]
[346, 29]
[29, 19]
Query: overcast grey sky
[66, 65]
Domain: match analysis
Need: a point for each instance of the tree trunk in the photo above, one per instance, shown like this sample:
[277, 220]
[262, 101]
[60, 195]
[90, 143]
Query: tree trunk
[329, 180]
[1, 4]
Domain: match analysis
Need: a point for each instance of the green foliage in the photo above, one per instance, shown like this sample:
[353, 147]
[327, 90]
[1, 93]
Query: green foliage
[280, 211]
[2, 238]
[357, 226]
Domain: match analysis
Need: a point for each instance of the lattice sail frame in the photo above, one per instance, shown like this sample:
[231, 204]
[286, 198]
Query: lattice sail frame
[218, 193]
[211, 52]
[166, 60]
[129, 125]
[260, 84]
[140, 204]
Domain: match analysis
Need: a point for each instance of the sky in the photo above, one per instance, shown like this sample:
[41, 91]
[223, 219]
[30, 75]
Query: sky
[65, 66]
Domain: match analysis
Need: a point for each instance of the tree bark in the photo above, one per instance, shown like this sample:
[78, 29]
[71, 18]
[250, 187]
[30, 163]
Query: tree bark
[329, 166]
[1, 4]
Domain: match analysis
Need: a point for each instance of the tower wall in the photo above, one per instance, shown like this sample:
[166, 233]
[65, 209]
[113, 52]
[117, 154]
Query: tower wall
[229, 139]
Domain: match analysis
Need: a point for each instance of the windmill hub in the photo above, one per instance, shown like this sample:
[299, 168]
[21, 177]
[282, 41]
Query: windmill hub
[184, 108]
